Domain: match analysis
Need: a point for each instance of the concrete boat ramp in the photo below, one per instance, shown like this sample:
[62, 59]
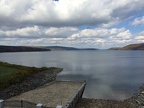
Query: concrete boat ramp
[58, 94]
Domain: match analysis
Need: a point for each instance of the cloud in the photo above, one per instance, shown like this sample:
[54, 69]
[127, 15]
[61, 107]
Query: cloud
[125, 35]
[89, 33]
[11, 11]
[138, 21]
[103, 37]
[38, 32]
[23, 32]
[60, 32]
[70, 36]
[68, 13]
[140, 37]
[102, 33]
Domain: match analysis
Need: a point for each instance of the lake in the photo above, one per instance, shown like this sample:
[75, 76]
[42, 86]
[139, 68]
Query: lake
[109, 74]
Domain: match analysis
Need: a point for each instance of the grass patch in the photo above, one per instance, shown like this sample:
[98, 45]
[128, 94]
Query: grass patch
[6, 72]
[13, 74]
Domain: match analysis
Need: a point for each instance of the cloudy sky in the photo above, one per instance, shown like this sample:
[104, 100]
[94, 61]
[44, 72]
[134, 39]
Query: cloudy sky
[76, 23]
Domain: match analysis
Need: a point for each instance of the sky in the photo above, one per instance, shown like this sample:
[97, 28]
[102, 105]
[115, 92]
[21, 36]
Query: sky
[74, 23]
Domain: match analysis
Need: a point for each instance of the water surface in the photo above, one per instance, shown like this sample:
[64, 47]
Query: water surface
[109, 74]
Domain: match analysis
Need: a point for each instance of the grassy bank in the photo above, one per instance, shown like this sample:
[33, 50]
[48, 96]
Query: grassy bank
[13, 74]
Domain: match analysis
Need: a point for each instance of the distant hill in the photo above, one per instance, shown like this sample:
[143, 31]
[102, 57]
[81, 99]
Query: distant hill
[66, 48]
[130, 47]
[115, 48]
[133, 47]
[21, 49]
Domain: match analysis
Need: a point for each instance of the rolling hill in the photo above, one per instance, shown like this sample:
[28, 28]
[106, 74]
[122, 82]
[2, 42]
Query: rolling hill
[66, 48]
[21, 49]
[139, 46]
[133, 47]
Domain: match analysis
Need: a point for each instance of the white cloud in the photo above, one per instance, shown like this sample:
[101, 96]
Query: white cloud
[91, 33]
[102, 33]
[101, 37]
[69, 36]
[28, 31]
[68, 13]
[125, 35]
[140, 37]
[138, 21]
[39, 32]
[60, 32]
[99, 32]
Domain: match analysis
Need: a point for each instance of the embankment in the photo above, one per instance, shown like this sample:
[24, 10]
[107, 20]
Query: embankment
[31, 82]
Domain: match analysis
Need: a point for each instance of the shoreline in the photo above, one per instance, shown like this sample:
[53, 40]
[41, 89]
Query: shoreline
[111, 103]
[39, 79]
[102, 103]
[31, 82]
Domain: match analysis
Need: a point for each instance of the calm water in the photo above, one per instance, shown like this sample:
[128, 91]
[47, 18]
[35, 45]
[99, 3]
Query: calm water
[109, 74]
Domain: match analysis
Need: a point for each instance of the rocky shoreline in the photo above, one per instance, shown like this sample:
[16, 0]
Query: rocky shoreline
[132, 102]
[101, 103]
[41, 78]
[31, 82]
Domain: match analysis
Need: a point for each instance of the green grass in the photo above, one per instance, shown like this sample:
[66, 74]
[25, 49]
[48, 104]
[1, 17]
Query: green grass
[13, 74]
[6, 72]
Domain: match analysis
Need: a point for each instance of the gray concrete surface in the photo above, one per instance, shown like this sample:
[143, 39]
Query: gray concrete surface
[51, 94]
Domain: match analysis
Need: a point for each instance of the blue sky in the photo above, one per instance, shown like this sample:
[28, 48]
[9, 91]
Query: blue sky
[127, 24]
[78, 23]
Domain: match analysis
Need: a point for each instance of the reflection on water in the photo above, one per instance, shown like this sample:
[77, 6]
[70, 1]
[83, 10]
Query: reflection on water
[109, 74]
[104, 86]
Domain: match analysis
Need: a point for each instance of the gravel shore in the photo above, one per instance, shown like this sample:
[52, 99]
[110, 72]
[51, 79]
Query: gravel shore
[101, 103]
